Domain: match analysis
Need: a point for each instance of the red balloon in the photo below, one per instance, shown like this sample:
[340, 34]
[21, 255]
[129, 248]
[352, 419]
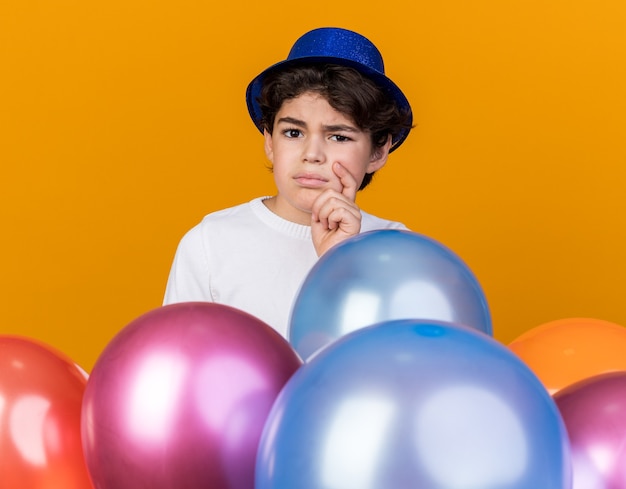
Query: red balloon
[41, 394]
[594, 412]
[180, 396]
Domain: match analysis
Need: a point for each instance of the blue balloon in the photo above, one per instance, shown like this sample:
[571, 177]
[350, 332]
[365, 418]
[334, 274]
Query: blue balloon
[414, 404]
[381, 276]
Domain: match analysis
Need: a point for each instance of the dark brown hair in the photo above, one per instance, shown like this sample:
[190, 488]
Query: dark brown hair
[346, 90]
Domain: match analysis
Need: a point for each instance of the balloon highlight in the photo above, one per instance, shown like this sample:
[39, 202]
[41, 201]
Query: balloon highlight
[180, 396]
[41, 392]
[381, 276]
[414, 403]
[568, 350]
[594, 412]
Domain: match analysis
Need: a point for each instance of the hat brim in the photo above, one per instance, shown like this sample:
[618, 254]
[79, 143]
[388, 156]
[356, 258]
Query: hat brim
[253, 91]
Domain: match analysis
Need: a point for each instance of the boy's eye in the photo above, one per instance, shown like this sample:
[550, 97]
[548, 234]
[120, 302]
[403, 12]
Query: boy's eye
[340, 138]
[292, 133]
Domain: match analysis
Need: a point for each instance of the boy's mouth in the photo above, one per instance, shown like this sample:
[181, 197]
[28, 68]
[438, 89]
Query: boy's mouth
[312, 180]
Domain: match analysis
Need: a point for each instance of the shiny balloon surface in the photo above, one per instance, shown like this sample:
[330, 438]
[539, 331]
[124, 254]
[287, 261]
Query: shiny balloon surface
[381, 276]
[414, 404]
[569, 350]
[41, 392]
[179, 399]
[594, 412]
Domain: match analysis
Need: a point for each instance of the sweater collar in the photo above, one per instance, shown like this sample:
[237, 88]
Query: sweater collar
[276, 222]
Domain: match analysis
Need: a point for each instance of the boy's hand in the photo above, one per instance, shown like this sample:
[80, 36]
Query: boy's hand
[335, 215]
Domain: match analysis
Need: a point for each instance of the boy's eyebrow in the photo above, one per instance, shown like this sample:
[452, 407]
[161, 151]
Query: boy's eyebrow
[291, 120]
[340, 128]
[328, 128]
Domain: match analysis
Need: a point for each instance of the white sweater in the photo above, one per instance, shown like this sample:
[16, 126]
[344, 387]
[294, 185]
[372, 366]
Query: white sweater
[249, 258]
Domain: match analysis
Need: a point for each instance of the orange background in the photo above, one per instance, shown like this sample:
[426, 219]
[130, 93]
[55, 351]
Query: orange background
[123, 122]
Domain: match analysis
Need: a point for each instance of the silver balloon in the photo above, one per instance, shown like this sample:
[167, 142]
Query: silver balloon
[414, 404]
[381, 276]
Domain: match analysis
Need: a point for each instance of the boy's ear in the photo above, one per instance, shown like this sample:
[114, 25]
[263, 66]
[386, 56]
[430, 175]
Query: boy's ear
[379, 156]
[269, 147]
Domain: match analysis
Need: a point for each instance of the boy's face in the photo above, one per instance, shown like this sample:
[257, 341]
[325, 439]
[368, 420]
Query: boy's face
[308, 137]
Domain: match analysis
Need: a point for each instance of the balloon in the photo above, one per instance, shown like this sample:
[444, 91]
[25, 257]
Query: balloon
[380, 276]
[179, 398]
[565, 351]
[594, 412]
[41, 392]
[412, 404]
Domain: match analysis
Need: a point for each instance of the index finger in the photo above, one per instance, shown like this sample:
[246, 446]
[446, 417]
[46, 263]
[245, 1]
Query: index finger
[349, 185]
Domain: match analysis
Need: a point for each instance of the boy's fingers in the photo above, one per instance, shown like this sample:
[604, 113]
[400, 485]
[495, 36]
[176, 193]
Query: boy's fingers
[348, 183]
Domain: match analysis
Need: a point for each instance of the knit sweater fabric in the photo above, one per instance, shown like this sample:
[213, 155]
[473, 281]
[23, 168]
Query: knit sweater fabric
[249, 258]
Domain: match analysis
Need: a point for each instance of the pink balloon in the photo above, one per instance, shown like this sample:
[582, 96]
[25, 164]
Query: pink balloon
[180, 396]
[594, 412]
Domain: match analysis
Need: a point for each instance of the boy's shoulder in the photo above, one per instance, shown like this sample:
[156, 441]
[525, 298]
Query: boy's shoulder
[243, 214]
[228, 212]
[240, 215]
[371, 222]
[222, 224]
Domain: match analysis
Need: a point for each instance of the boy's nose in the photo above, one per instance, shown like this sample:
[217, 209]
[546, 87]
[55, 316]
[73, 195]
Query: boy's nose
[313, 151]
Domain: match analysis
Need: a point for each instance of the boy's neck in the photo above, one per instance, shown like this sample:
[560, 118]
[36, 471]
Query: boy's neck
[302, 218]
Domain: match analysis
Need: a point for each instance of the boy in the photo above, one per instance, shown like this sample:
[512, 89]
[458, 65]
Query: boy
[329, 117]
